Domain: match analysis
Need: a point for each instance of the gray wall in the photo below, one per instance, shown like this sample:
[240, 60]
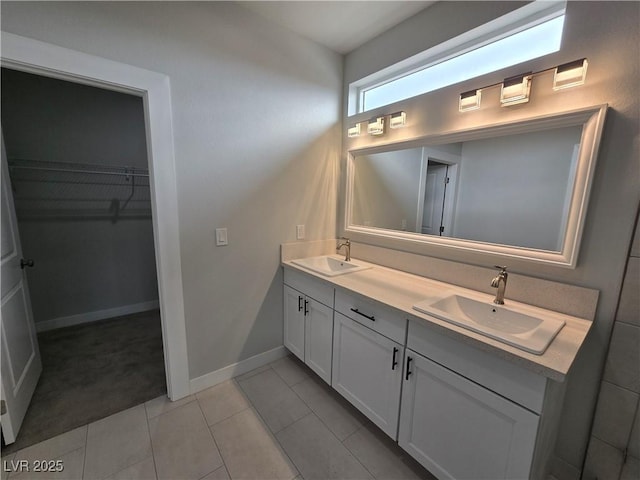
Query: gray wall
[256, 121]
[385, 189]
[607, 34]
[512, 190]
[85, 262]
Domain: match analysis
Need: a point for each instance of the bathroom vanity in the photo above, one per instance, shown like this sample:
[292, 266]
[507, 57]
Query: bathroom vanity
[462, 404]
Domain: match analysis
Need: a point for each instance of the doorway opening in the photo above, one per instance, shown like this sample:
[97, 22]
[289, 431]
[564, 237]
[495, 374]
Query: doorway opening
[438, 187]
[77, 158]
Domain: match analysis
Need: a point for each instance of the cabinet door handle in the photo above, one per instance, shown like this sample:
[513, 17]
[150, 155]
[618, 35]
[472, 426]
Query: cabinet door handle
[370, 317]
[409, 372]
[306, 304]
[299, 303]
[394, 361]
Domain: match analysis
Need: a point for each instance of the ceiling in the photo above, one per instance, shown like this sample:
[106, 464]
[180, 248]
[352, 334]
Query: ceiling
[340, 25]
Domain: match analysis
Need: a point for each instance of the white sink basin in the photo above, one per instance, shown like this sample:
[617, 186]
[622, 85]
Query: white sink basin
[500, 322]
[330, 265]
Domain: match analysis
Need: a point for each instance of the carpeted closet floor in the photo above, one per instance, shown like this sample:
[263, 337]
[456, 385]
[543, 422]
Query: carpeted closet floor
[92, 371]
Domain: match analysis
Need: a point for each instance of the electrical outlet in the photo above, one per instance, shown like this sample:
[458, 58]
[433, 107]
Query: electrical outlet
[299, 232]
[221, 237]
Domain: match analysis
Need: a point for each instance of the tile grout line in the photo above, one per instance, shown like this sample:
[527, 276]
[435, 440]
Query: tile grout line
[153, 454]
[86, 445]
[213, 437]
[312, 412]
[272, 434]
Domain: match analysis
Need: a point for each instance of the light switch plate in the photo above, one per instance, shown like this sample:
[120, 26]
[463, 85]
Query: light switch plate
[221, 237]
[299, 232]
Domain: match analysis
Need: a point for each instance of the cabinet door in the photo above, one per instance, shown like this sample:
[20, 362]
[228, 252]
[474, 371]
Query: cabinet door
[367, 371]
[294, 321]
[458, 429]
[318, 338]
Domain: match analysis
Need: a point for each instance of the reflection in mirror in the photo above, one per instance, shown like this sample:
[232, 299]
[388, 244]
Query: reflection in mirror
[514, 189]
[510, 190]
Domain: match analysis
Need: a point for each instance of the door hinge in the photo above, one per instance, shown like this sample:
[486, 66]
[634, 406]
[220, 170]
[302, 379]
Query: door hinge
[441, 228]
[446, 180]
[3, 407]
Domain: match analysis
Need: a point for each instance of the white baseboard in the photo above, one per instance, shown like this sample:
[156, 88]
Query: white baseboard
[88, 317]
[213, 378]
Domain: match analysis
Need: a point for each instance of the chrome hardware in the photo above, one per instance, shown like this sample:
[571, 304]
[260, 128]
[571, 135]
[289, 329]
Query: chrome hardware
[347, 245]
[500, 282]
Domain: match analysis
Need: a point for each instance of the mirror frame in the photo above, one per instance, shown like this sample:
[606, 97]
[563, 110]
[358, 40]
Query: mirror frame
[592, 121]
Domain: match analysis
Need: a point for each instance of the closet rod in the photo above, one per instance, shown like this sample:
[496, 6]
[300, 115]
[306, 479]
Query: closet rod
[66, 170]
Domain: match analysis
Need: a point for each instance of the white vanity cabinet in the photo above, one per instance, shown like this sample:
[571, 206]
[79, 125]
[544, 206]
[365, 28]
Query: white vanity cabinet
[462, 411]
[308, 321]
[367, 365]
[466, 414]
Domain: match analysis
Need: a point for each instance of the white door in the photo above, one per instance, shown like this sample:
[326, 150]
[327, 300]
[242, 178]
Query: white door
[367, 371]
[460, 430]
[294, 321]
[434, 198]
[21, 364]
[318, 343]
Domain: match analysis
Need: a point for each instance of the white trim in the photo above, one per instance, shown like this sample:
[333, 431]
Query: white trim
[592, 121]
[213, 378]
[33, 56]
[96, 315]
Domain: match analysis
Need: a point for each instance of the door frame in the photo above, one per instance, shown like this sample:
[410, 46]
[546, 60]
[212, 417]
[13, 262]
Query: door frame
[453, 161]
[33, 56]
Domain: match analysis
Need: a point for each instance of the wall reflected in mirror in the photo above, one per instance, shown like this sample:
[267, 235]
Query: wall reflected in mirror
[513, 190]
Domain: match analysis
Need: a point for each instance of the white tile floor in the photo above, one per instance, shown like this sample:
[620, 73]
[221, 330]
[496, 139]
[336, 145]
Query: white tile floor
[276, 422]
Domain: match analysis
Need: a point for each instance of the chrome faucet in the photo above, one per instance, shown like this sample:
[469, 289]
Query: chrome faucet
[347, 245]
[500, 282]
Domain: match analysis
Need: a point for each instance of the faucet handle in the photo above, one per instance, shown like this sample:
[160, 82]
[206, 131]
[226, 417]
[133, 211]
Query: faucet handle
[347, 239]
[502, 269]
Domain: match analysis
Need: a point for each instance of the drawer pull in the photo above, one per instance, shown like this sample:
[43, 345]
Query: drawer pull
[394, 362]
[299, 303]
[306, 310]
[409, 372]
[370, 317]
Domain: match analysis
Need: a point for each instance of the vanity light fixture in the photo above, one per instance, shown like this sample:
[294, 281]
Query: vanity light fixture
[570, 74]
[515, 90]
[470, 100]
[354, 131]
[376, 126]
[398, 119]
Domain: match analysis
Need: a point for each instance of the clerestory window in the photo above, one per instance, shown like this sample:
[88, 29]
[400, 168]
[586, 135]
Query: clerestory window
[527, 33]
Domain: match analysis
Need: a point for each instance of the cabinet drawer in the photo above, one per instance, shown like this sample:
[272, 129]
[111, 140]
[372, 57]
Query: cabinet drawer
[501, 376]
[383, 320]
[310, 286]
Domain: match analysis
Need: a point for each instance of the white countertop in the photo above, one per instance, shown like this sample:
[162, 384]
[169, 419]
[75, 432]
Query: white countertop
[401, 291]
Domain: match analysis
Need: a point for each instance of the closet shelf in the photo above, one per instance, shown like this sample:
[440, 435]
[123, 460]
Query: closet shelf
[45, 189]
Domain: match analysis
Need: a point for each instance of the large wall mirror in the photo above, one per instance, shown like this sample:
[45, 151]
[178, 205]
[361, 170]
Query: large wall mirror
[517, 190]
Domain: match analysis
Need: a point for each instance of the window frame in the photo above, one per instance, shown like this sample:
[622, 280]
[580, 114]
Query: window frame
[524, 18]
